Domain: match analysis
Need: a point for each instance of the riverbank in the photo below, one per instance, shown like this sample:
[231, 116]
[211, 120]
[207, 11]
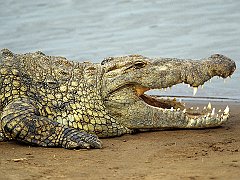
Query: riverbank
[179, 154]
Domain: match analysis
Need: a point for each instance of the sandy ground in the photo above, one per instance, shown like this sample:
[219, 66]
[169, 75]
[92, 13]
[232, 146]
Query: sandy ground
[181, 154]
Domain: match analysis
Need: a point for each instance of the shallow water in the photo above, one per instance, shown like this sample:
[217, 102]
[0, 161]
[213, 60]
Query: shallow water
[94, 29]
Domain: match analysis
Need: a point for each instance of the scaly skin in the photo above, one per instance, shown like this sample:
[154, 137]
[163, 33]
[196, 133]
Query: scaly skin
[50, 101]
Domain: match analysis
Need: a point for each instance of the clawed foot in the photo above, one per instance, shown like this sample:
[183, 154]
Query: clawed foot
[74, 139]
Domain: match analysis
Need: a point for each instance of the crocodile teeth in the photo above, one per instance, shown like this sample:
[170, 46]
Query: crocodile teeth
[209, 106]
[184, 111]
[194, 90]
[213, 112]
[226, 111]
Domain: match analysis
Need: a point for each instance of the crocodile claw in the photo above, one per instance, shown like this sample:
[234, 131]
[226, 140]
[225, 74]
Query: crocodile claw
[74, 139]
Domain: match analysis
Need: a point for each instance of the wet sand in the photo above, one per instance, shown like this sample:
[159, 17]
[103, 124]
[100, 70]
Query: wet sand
[179, 154]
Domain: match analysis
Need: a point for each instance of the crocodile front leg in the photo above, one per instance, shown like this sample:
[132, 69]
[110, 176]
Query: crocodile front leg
[21, 121]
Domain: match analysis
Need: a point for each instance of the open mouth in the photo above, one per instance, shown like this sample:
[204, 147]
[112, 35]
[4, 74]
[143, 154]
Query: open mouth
[176, 106]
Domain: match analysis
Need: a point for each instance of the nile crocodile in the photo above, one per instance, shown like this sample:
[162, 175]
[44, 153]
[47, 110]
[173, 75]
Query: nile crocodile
[50, 101]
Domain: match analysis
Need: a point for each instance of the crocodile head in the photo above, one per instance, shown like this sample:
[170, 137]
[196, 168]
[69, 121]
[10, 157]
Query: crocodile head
[127, 79]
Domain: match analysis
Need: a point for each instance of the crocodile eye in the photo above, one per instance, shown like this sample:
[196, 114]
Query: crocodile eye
[139, 64]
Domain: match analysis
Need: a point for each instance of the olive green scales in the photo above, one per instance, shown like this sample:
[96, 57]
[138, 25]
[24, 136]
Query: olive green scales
[50, 101]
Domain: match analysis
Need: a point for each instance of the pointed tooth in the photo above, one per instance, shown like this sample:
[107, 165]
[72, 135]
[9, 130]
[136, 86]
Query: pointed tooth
[197, 108]
[213, 112]
[178, 109]
[226, 111]
[189, 85]
[204, 107]
[171, 109]
[184, 111]
[180, 100]
[209, 106]
[191, 107]
[220, 110]
[202, 86]
[195, 90]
